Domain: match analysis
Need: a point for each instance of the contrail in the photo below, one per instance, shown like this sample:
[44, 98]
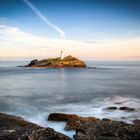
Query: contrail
[43, 18]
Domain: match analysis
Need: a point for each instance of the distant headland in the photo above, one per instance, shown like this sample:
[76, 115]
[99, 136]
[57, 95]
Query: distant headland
[59, 62]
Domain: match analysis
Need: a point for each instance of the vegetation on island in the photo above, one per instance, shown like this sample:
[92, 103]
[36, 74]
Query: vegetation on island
[67, 62]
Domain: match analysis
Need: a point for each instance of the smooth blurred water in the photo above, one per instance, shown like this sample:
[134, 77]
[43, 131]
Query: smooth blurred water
[34, 93]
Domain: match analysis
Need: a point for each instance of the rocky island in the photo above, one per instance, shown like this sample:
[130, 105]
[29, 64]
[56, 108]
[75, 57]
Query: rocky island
[66, 62]
[87, 128]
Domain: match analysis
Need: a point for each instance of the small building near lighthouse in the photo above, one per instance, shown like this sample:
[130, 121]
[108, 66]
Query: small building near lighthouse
[62, 55]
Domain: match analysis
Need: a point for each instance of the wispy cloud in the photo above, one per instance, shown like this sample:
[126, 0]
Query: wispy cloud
[16, 43]
[44, 18]
[4, 20]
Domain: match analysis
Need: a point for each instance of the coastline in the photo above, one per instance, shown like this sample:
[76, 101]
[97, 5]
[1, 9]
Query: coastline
[87, 128]
[33, 91]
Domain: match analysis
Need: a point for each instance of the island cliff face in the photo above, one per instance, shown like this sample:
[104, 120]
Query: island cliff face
[67, 62]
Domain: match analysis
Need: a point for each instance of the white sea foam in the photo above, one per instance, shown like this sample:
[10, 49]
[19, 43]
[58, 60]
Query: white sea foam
[95, 109]
[41, 119]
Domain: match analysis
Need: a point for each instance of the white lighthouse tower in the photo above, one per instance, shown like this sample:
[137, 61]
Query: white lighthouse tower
[62, 55]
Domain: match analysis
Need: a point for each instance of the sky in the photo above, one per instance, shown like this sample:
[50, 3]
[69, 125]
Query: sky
[87, 29]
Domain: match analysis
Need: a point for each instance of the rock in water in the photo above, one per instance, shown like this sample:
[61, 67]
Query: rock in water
[111, 108]
[87, 128]
[73, 121]
[127, 109]
[67, 62]
[90, 128]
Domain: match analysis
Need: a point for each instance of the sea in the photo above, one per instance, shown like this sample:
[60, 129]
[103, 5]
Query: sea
[34, 93]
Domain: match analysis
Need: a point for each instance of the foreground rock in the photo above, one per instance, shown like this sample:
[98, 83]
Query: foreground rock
[16, 128]
[90, 128]
[108, 130]
[73, 121]
[87, 128]
[67, 62]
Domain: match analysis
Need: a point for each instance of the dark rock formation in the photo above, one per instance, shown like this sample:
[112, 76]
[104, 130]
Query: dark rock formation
[67, 62]
[73, 121]
[108, 130]
[111, 108]
[124, 108]
[136, 122]
[87, 128]
[16, 128]
[61, 117]
[33, 62]
[45, 134]
[90, 128]
[127, 109]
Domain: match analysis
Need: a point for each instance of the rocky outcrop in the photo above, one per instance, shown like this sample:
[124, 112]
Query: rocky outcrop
[128, 109]
[111, 108]
[108, 130]
[16, 128]
[87, 128]
[73, 121]
[90, 128]
[67, 62]
[123, 108]
[45, 134]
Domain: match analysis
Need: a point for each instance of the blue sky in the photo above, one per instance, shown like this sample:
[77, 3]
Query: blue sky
[80, 20]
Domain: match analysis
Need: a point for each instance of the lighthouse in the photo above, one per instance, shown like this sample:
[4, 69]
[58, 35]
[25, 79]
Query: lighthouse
[62, 55]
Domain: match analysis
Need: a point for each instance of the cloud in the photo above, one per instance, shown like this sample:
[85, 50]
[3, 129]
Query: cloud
[17, 43]
[44, 18]
[4, 20]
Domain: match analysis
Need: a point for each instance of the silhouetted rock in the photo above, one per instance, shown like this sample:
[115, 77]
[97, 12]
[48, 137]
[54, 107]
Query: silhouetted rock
[124, 108]
[111, 108]
[127, 109]
[67, 62]
[33, 62]
[118, 103]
